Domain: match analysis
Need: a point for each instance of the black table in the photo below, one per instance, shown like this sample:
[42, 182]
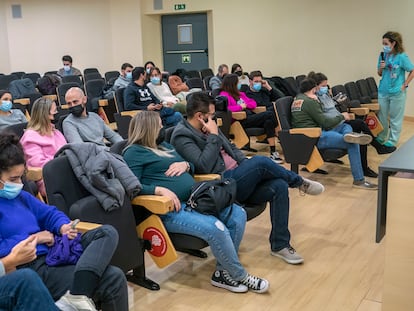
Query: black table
[401, 160]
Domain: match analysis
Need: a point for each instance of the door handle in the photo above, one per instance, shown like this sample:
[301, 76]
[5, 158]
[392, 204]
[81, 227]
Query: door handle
[186, 51]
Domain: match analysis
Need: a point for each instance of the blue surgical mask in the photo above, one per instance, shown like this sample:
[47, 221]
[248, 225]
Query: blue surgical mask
[322, 90]
[155, 80]
[239, 86]
[128, 75]
[66, 67]
[387, 49]
[6, 105]
[10, 190]
[257, 86]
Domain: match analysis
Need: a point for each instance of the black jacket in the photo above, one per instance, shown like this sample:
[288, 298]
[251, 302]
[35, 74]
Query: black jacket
[203, 150]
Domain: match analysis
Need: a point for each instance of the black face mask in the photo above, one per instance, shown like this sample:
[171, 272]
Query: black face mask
[76, 110]
[54, 121]
[161, 136]
[239, 73]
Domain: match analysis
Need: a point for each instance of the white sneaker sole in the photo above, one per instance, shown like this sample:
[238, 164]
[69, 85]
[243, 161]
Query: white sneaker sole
[360, 139]
[289, 261]
[241, 289]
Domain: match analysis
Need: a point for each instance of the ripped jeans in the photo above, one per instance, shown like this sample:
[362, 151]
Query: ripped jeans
[222, 234]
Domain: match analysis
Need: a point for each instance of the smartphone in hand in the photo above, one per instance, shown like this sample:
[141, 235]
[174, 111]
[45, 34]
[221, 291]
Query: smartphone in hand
[75, 223]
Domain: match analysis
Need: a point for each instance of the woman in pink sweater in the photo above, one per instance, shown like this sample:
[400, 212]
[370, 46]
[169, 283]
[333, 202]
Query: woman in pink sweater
[41, 140]
[238, 101]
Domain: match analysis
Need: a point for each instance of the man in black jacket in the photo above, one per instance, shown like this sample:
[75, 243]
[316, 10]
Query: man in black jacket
[261, 91]
[259, 179]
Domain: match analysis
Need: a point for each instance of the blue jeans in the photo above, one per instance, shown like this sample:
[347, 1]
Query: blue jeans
[335, 139]
[261, 180]
[23, 290]
[391, 106]
[223, 234]
[99, 245]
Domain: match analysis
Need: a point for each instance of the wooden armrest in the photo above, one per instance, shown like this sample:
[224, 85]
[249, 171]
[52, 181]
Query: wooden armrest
[64, 106]
[373, 106]
[307, 131]
[22, 101]
[103, 102]
[240, 137]
[203, 177]
[219, 122]
[51, 97]
[259, 109]
[113, 126]
[351, 115]
[86, 226]
[359, 111]
[34, 173]
[130, 113]
[154, 203]
[239, 115]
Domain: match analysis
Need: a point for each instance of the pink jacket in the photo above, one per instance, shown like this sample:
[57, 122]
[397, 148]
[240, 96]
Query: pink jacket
[233, 106]
[41, 149]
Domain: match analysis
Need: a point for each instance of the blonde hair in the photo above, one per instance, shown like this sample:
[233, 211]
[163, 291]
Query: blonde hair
[144, 129]
[39, 116]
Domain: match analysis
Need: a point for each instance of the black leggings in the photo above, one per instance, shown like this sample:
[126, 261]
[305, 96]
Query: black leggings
[266, 120]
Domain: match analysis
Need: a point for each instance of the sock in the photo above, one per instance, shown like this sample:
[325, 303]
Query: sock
[84, 283]
[272, 149]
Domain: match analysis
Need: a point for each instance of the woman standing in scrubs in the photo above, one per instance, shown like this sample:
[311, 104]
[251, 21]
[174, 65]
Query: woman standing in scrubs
[393, 63]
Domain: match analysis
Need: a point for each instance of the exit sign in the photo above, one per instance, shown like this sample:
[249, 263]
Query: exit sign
[179, 7]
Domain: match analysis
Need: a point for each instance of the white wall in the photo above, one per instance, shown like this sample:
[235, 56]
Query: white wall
[279, 37]
[96, 33]
[340, 38]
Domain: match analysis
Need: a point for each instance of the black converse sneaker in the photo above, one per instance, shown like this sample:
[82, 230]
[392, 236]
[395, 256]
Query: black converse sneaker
[221, 278]
[255, 284]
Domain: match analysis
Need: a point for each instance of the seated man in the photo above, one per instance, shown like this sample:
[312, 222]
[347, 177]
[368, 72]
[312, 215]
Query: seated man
[137, 96]
[23, 289]
[82, 126]
[215, 82]
[307, 112]
[68, 69]
[261, 91]
[358, 125]
[259, 179]
[124, 78]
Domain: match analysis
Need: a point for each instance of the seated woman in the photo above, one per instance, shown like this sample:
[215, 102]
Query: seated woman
[41, 140]
[238, 70]
[9, 116]
[163, 172]
[162, 91]
[23, 216]
[238, 101]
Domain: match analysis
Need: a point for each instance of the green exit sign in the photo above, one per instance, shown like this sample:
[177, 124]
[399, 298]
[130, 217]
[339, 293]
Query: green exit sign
[178, 7]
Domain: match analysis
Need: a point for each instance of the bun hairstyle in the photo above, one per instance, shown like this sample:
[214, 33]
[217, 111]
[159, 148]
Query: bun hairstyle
[307, 84]
[11, 151]
[318, 77]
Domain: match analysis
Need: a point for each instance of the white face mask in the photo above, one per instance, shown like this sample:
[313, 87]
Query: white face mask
[66, 67]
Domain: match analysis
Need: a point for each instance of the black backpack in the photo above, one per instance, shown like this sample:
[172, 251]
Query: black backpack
[48, 83]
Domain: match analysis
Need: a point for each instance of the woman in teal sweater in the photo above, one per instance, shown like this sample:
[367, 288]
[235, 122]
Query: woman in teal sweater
[162, 171]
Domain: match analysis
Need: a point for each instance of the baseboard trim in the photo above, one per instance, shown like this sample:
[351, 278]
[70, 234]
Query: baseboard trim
[409, 118]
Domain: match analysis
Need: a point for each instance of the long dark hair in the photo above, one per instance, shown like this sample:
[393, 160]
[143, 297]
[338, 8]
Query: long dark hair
[11, 151]
[229, 85]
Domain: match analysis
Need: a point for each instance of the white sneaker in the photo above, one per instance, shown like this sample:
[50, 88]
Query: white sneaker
[69, 302]
[311, 187]
[358, 138]
[275, 157]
